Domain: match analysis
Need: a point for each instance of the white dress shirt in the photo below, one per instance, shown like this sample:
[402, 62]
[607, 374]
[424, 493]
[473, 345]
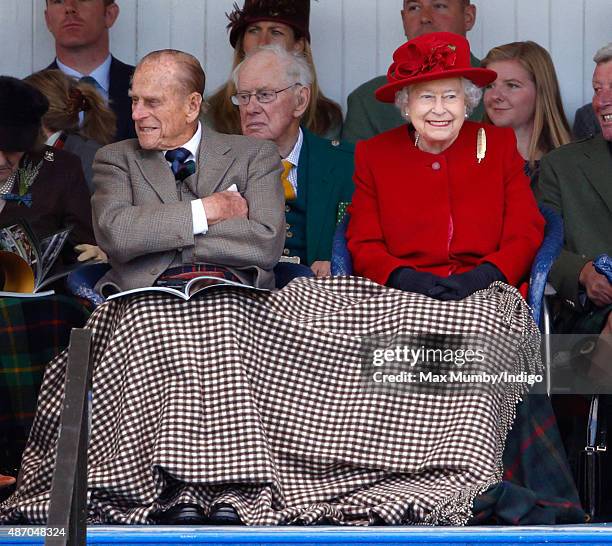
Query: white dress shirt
[293, 158]
[200, 222]
[101, 74]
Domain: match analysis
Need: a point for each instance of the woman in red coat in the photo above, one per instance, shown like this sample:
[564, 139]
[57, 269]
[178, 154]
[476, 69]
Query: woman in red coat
[441, 206]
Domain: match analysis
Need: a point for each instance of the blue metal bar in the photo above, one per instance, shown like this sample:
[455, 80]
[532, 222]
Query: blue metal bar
[592, 535]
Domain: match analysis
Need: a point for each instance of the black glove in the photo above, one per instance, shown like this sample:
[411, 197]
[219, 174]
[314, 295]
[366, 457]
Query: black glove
[409, 280]
[457, 287]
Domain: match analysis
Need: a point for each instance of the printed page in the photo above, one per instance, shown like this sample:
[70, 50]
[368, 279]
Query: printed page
[50, 249]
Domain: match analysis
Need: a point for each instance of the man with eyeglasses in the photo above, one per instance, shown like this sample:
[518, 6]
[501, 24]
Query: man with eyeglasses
[273, 93]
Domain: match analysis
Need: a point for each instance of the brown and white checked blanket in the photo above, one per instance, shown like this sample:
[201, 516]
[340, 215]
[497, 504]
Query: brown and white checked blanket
[260, 400]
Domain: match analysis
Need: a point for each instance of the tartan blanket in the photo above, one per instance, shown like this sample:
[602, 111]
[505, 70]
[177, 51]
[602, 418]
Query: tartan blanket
[263, 401]
[32, 332]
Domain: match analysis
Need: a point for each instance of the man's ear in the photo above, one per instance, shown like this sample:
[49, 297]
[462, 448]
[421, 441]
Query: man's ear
[111, 12]
[469, 17]
[194, 103]
[303, 100]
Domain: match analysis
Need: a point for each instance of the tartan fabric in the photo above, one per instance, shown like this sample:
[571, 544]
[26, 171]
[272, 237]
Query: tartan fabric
[32, 332]
[261, 403]
[180, 168]
[538, 486]
[178, 276]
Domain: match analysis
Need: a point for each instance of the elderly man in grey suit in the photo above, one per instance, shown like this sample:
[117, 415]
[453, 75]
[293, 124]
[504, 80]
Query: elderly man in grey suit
[182, 195]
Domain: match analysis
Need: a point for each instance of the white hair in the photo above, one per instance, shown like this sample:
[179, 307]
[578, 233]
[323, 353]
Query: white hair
[297, 69]
[604, 54]
[472, 93]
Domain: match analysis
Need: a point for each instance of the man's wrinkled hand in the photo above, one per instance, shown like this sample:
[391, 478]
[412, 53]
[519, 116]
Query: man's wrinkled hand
[597, 286]
[225, 205]
[321, 269]
[90, 252]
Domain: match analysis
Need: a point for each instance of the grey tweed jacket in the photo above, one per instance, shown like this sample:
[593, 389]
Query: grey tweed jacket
[143, 224]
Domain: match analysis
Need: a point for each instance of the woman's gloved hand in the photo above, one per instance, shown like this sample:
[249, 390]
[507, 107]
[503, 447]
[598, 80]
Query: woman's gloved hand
[462, 285]
[409, 280]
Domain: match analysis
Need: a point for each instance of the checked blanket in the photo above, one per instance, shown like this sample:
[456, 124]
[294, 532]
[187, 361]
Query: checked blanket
[263, 401]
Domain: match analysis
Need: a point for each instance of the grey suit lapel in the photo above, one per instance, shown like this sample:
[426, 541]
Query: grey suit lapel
[213, 162]
[156, 172]
[597, 167]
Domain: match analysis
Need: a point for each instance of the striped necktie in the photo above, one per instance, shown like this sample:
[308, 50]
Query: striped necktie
[181, 168]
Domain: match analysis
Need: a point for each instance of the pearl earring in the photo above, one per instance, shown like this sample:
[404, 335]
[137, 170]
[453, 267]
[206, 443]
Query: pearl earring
[417, 136]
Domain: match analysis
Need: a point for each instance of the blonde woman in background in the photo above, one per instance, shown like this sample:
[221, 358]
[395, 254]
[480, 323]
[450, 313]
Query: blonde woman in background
[264, 22]
[526, 97]
[69, 102]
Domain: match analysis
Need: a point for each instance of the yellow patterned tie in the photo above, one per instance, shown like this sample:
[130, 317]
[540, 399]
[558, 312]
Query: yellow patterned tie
[290, 194]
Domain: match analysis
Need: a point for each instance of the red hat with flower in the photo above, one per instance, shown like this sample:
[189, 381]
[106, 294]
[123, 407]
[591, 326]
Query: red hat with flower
[433, 56]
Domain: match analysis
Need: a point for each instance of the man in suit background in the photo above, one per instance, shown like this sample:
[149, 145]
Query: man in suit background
[365, 116]
[575, 180]
[81, 32]
[182, 196]
[585, 122]
[273, 95]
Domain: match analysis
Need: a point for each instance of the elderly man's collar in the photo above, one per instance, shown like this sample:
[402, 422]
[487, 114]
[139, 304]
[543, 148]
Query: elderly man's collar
[192, 144]
[294, 154]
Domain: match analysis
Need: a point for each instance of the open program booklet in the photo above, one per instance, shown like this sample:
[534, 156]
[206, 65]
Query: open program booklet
[26, 263]
[189, 289]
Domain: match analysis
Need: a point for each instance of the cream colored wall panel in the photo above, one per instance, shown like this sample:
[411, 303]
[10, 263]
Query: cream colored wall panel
[218, 53]
[327, 46]
[359, 43]
[498, 23]
[390, 32]
[353, 40]
[533, 21]
[42, 41]
[475, 36]
[188, 27]
[124, 33]
[566, 48]
[154, 18]
[16, 38]
[597, 33]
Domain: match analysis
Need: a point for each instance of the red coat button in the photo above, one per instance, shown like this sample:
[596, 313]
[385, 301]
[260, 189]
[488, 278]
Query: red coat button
[435, 166]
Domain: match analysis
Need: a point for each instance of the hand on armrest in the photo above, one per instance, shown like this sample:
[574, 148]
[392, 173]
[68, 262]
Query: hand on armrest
[597, 287]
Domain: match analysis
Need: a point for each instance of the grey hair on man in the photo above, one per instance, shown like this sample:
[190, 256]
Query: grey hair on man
[297, 69]
[472, 92]
[604, 54]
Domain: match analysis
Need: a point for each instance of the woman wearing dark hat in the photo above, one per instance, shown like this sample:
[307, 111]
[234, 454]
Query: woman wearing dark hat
[441, 205]
[42, 185]
[262, 22]
[45, 187]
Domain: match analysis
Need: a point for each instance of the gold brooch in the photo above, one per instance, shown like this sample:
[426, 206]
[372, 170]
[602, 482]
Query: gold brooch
[481, 145]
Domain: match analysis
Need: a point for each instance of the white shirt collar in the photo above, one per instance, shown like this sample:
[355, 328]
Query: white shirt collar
[294, 155]
[53, 138]
[192, 145]
[101, 74]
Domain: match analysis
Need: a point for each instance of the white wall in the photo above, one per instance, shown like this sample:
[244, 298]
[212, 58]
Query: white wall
[352, 39]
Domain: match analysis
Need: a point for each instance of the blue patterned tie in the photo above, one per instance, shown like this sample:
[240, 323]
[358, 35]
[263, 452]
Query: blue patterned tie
[181, 168]
[94, 83]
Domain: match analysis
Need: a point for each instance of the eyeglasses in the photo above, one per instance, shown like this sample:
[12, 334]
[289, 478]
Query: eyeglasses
[264, 96]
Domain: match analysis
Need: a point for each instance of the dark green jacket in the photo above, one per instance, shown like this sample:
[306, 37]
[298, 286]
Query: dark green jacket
[366, 116]
[576, 181]
[326, 168]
